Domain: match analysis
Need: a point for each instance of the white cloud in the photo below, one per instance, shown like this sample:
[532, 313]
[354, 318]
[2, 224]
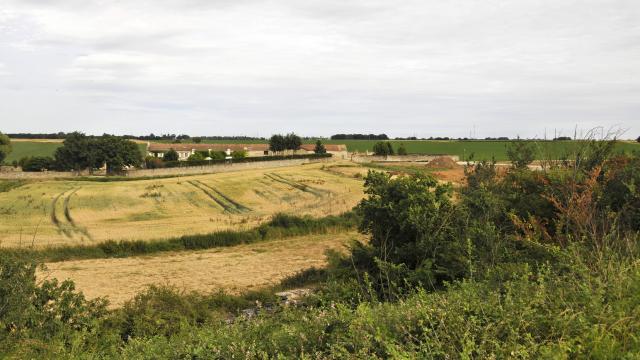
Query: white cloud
[410, 67]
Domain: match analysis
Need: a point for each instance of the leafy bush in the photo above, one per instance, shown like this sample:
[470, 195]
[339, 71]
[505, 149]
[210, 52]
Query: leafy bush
[37, 163]
[170, 155]
[383, 148]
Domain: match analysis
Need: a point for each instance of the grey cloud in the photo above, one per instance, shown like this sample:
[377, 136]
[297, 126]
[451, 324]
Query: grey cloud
[319, 67]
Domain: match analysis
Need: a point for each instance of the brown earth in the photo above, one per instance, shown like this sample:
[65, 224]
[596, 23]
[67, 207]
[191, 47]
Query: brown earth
[234, 269]
[442, 162]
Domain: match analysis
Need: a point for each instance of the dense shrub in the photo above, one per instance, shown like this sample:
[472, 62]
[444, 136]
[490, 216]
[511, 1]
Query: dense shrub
[37, 163]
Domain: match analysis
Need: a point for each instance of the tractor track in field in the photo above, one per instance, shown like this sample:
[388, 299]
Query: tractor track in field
[297, 185]
[226, 203]
[236, 204]
[70, 227]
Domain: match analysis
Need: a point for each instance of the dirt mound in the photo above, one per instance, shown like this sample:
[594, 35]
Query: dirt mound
[442, 162]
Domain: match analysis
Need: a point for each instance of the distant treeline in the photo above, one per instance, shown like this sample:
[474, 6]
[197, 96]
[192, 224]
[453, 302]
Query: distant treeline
[359, 137]
[181, 137]
[62, 135]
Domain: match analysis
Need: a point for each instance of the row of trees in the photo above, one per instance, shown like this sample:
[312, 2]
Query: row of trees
[359, 137]
[280, 143]
[80, 152]
[385, 148]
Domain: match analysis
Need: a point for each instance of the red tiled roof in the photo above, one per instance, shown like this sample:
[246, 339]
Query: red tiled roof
[204, 147]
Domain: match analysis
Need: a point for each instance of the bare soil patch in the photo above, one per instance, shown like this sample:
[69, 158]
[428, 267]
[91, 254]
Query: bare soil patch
[235, 269]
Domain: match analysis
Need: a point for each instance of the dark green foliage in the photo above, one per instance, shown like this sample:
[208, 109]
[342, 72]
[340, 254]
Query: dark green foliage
[521, 153]
[80, 152]
[402, 150]
[383, 148]
[37, 163]
[42, 316]
[5, 147]
[116, 153]
[319, 149]
[277, 143]
[197, 156]
[414, 237]
[292, 141]
[238, 154]
[76, 153]
[170, 155]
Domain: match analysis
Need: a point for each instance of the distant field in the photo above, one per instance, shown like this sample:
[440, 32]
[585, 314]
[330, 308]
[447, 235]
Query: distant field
[66, 212]
[31, 148]
[480, 149]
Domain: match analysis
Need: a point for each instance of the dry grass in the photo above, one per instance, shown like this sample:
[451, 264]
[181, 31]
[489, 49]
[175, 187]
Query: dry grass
[74, 212]
[233, 269]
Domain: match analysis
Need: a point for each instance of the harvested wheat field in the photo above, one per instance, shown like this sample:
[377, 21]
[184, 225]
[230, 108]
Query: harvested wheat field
[65, 212]
[233, 269]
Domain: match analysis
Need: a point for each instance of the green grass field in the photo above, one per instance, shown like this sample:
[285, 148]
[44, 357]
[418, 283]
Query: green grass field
[480, 149]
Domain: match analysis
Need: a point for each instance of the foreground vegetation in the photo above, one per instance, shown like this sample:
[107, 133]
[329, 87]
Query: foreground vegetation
[527, 264]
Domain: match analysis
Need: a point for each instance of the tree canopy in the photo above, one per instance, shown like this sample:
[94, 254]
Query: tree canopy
[5, 147]
[383, 148]
[279, 143]
[170, 155]
[80, 152]
[319, 149]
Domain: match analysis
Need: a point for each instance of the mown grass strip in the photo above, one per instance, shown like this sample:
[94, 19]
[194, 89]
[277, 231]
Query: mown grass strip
[280, 226]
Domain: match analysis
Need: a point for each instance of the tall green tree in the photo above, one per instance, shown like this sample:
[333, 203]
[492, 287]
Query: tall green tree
[5, 147]
[116, 153]
[292, 142]
[76, 153]
[319, 149]
[277, 143]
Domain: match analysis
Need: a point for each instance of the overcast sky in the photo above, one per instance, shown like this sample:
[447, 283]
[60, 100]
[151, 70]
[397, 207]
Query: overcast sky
[319, 67]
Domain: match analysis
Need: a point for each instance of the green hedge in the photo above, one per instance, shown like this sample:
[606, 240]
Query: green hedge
[280, 226]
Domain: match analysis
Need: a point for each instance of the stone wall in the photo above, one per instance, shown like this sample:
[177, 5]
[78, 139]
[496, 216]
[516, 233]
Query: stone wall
[15, 175]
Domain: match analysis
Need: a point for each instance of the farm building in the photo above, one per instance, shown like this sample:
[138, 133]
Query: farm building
[186, 150]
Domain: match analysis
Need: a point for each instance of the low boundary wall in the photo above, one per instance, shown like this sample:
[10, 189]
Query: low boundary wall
[177, 171]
